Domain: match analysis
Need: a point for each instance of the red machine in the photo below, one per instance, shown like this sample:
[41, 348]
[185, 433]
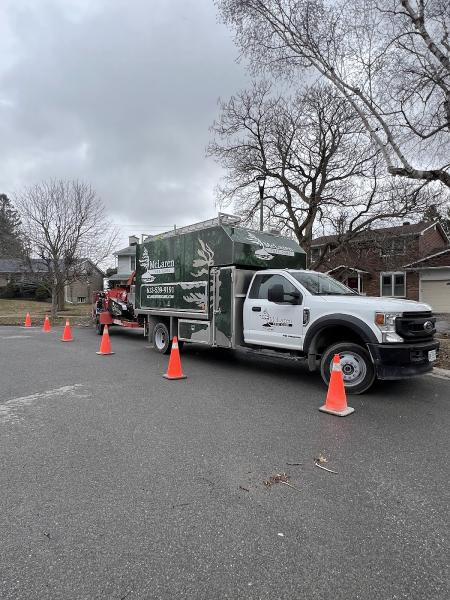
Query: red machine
[115, 307]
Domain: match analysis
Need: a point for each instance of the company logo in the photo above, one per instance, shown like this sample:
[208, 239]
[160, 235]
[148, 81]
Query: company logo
[270, 322]
[268, 249]
[154, 267]
[161, 266]
[428, 326]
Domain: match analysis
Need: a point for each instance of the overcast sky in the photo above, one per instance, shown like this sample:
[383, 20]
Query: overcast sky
[119, 93]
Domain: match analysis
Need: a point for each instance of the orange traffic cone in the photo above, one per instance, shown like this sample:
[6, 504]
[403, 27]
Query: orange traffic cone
[28, 320]
[46, 326]
[67, 333]
[174, 370]
[105, 344]
[336, 402]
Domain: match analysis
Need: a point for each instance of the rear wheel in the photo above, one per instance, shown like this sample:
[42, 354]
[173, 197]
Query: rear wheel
[161, 338]
[357, 368]
[99, 327]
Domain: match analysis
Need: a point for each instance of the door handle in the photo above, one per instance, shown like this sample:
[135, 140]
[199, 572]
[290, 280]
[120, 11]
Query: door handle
[256, 308]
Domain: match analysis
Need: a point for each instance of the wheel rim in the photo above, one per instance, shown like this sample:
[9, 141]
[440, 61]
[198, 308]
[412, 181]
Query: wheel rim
[354, 368]
[160, 339]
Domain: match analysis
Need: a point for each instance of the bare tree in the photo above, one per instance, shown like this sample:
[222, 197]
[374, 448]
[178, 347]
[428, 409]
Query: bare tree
[321, 170]
[65, 222]
[389, 59]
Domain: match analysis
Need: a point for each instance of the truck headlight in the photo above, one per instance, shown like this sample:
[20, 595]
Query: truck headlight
[386, 324]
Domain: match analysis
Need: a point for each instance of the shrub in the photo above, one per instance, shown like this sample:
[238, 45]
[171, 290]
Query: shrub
[10, 291]
[41, 293]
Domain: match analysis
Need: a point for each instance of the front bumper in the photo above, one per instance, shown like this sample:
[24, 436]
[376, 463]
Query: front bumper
[399, 361]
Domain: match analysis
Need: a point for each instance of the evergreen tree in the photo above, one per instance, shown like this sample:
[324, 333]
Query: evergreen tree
[11, 242]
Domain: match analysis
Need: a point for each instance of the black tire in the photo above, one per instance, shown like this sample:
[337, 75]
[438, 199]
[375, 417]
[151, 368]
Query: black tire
[99, 327]
[357, 367]
[161, 338]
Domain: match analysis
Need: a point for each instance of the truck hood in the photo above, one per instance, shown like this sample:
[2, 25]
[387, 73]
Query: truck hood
[380, 304]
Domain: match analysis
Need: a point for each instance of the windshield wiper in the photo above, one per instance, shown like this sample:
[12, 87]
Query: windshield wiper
[336, 294]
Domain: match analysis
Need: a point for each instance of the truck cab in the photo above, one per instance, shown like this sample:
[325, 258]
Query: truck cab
[316, 316]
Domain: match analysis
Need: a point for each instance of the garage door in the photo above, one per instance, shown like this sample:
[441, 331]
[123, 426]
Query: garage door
[437, 294]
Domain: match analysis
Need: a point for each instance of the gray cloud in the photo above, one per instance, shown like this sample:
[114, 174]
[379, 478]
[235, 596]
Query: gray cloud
[119, 93]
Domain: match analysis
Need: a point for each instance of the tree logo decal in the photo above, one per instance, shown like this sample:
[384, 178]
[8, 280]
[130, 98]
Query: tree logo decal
[205, 260]
[262, 252]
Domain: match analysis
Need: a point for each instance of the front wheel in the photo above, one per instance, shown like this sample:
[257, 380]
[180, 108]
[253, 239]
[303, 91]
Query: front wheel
[161, 338]
[357, 368]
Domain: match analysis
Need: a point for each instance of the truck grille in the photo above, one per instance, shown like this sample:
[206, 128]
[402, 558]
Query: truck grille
[411, 325]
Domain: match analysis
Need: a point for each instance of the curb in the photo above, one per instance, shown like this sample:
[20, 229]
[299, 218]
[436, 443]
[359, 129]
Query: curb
[440, 373]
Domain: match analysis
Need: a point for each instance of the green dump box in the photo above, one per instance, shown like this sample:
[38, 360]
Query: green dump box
[175, 269]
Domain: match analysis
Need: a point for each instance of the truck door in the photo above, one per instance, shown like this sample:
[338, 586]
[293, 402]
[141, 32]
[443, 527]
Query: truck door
[273, 313]
[223, 306]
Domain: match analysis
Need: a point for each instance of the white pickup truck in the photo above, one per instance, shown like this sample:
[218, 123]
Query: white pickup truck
[313, 314]
[223, 285]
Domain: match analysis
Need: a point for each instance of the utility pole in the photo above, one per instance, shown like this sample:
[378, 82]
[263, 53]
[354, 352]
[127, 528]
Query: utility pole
[261, 179]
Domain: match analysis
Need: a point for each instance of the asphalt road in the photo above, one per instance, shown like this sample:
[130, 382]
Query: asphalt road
[116, 483]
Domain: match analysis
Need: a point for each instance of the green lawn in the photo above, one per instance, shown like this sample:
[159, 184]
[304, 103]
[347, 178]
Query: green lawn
[13, 312]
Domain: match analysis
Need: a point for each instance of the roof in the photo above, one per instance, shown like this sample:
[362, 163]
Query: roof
[410, 229]
[348, 269]
[34, 265]
[20, 265]
[119, 277]
[421, 263]
[128, 251]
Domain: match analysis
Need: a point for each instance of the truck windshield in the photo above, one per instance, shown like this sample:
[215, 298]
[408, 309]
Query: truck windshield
[322, 285]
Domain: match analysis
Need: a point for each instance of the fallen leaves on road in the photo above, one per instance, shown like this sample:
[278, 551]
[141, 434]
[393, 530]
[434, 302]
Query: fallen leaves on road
[319, 463]
[279, 478]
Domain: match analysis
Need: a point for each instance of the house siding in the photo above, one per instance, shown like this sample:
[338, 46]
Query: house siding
[81, 289]
[124, 265]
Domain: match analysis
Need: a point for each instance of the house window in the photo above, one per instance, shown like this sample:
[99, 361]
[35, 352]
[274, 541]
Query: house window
[315, 253]
[393, 284]
[82, 299]
[133, 263]
[394, 247]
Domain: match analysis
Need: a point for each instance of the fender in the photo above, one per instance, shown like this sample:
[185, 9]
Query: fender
[353, 323]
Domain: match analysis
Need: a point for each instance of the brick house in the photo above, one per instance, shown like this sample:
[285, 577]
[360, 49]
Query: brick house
[399, 261]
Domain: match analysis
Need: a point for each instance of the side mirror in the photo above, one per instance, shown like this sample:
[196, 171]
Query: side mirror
[276, 293]
[296, 297]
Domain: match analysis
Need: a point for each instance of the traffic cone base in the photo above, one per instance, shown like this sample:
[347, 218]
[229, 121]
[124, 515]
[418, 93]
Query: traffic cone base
[336, 401]
[174, 370]
[178, 377]
[338, 413]
[105, 344]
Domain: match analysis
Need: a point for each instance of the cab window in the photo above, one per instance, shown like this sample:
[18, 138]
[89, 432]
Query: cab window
[262, 283]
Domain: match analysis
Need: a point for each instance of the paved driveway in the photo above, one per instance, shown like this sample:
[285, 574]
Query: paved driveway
[116, 483]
